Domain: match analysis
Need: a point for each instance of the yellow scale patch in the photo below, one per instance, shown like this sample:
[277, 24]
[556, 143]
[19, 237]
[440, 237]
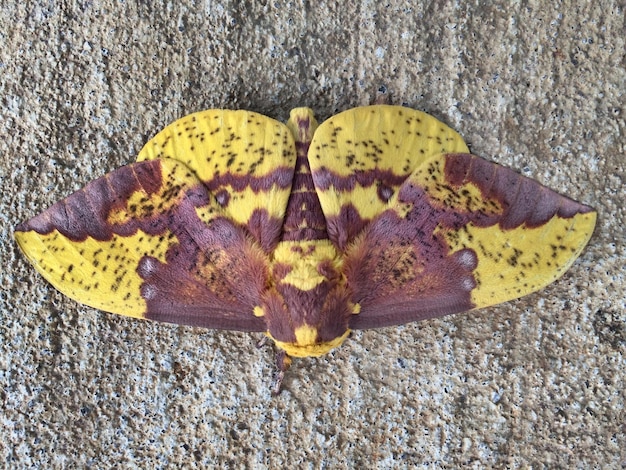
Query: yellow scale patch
[99, 274]
[468, 197]
[239, 143]
[514, 263]
[383, 138]
[176, 179]
[304, 258]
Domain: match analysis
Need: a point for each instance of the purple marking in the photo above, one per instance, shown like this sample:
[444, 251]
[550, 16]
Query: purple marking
[84, 213]
[302, 139]
[303, 209]
[307, 204]
[302, 181]
[276, 317]
[344, 227]
[222, 197]
[523, 199]
[281, 178]
[325, 178]
[384, 192]
[266, 230]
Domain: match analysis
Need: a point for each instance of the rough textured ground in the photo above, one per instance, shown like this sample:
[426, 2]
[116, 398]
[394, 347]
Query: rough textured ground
[535, 85]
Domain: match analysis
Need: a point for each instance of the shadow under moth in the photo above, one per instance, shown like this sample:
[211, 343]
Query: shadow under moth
[232, 220]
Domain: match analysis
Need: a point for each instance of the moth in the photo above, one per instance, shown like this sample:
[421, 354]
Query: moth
[231, 220]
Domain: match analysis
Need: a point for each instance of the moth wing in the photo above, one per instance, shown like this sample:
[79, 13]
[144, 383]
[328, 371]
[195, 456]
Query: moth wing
[245, 159]
[147, 240]
[359, 159]
[462, 233]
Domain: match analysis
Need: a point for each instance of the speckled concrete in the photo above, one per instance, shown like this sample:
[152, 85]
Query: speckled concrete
[539, 381]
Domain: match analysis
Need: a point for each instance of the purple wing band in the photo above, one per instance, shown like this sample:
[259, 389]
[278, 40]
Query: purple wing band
[523, 199]
[84, 213]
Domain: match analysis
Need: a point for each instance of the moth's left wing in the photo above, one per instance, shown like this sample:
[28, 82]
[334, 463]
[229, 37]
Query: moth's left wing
[462, 233]
[148, 240]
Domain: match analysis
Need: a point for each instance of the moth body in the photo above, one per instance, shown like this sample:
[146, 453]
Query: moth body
[308, 310]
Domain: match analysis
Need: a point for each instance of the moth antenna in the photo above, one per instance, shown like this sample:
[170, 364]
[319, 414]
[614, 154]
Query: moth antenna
[283, 362]
[382, 95]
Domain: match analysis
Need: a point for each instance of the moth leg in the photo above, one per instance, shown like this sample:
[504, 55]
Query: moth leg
[262, 342]
[283, 361]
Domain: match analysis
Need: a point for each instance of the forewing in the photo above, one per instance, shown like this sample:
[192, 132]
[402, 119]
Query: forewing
[148, 240]
[360, 157]
[245, 159]
[463, 233]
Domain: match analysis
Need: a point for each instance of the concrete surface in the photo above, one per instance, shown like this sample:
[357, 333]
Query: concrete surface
[538, 86]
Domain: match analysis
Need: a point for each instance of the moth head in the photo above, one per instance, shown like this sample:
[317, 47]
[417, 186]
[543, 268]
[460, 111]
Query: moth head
[302, 124]
[307, 342]
[307, 325]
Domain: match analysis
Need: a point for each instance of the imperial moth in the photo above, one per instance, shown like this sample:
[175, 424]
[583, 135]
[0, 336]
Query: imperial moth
[231, 220]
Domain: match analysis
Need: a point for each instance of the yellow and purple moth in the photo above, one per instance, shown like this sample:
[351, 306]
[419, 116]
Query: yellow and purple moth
[232, 220]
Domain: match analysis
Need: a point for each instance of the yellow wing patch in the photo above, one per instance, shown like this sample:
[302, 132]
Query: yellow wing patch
[169, 194]
[307, 344]
[516, 262]
[360, 157]
[101, 274]
[466, 197]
